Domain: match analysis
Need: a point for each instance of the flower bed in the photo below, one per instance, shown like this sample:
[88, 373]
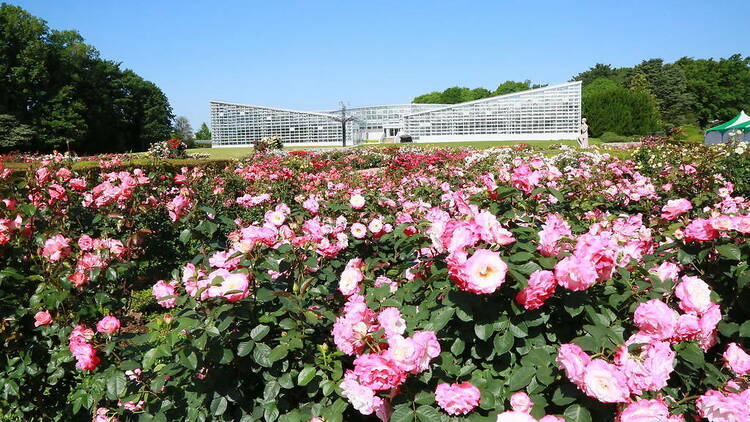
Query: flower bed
[497, 285]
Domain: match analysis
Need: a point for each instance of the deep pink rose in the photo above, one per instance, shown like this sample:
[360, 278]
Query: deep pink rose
[108, 325]
[42, 318]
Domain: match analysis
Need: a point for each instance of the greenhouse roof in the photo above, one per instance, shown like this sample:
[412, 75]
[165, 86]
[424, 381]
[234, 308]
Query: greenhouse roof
[740, 121]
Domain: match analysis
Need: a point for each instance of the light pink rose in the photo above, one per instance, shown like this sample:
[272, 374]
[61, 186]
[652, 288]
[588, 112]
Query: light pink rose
[357, 201]
[362, 398]
[656, 319]
[521, 402]
[675, 208]
[644, 411]
[483, 273]
[647, 368]
[605, 382]
[42, 318]
[718, 407]
[666, 271]
[108, 325]
[391, 321]
[86, 243]
[56, 248]
[552, 418]
[515, 416]
[694, 295]
[700, 230]
[574, 361]
[351, 277]
[359, 230]
[378, 372]
[737, 359]
[457, 399]
[162, 289]
[575, 273]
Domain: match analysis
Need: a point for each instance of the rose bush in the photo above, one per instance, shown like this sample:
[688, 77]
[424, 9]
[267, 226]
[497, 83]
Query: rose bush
[396, 284]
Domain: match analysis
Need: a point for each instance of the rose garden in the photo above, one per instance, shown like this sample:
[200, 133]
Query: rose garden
[399, 284]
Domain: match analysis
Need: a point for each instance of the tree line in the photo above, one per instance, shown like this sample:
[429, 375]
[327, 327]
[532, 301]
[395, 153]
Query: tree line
[651, 96]
[57, 93]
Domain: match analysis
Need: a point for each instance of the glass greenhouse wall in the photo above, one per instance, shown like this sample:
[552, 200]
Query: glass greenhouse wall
[548, 113]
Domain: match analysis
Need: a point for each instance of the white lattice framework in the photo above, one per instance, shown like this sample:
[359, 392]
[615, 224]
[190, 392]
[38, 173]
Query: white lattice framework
[548, 113]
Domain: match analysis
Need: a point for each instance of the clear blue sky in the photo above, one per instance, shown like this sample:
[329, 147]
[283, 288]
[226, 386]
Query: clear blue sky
[311, 54]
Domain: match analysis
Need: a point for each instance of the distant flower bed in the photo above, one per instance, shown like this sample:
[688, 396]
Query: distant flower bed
[395, 284]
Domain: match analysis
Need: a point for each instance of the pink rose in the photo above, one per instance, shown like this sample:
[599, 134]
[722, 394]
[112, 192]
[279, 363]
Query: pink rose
[700, 230]
[647, 368]
[161, 289]
[457, 399]
[605, 382]
[236, 286]
[357, 201]
[359, 230]
[645, 411]
[86, 243]
[656, 319]
[694, 295]
[541, 287]
[574, 273]
[521, 402]
[377, 372]
[552, 418]
[108, 325]
[482, 273]
[56, 247]
[675, 207]
[574, 361]
[737, 360]
[85, 355]
[718, 407]
[515, 416]
[362, 398]
[391, 321]
[666, 271]
[42, 318]
[351, 277]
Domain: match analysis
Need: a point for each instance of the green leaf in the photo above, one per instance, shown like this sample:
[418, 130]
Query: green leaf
[577, 413]
[503, 343]
[519, 257]
[260, 354]
[185, 236]
[428, 414]
[259, 332]
[116, 385]
[731, 252]
[439, 318]
[483, 331]
[277, 353]
[402, 414]
[244, 348]
[189, 361]
[691, 353]
[218, 406]
[745, 329]
[149, 358]
[305, 376]
[521, 377]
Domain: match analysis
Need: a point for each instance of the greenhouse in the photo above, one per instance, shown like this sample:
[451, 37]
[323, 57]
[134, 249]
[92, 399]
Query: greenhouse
[738, 127]
[548, 113]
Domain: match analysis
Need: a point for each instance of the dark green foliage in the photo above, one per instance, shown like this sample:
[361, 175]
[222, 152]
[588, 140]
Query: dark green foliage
[611, 108]
[457, 94]
[203, 133]
[14, 135]
[59, 91]
[703, 91]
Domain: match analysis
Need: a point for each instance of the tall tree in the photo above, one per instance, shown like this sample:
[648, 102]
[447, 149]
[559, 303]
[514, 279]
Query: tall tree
[609, 107]
[203, 133]
[182, 129]
[57, 85]
[14, 136]
[719, 88]
[669, 85]
[601, 70]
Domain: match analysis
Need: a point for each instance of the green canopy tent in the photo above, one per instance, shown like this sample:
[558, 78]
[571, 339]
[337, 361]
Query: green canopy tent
[722, 132]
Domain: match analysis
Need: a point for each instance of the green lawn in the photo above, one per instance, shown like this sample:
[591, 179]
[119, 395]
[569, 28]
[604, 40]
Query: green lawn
[237, 153]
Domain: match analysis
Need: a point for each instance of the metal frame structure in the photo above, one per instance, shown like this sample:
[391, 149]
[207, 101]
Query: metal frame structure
[548, 113]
